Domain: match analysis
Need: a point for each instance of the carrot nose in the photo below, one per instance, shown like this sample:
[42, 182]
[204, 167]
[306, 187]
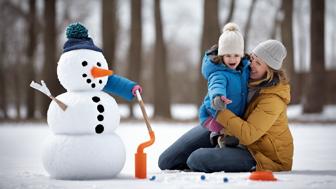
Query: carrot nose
[98, 72]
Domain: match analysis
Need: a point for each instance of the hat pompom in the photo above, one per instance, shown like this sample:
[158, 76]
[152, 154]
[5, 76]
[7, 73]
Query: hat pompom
[77, 31]
[231, 27]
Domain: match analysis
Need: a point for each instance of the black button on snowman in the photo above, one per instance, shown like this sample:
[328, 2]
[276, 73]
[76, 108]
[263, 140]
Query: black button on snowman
[83, 144]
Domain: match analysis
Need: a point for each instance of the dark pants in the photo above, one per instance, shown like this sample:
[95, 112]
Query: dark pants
[194, 151]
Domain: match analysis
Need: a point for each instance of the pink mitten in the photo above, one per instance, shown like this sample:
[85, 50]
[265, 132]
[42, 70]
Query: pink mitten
[135, 88]
[212, 125]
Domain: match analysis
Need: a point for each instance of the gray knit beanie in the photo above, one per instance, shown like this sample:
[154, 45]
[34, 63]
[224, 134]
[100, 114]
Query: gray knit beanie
[272, 52]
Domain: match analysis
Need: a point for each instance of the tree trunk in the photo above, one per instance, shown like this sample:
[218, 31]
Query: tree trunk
[3, 87]
[16, 70]
[161, 84]
[287, 39]
[109, 24]
[276, 23]
[302, 38]
[50, 62]
[248, 23]
[29, 66]
[135, 54]
[314, 102]
[231, 11]
[210, 37]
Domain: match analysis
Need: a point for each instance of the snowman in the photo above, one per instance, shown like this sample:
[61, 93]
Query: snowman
[83, 144]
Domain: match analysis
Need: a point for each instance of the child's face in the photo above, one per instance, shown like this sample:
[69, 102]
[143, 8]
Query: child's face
[231, 60]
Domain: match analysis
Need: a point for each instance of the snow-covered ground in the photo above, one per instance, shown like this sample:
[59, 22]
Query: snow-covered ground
[21, 167]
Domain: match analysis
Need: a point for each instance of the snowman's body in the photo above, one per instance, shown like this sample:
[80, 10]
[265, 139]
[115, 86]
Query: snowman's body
[83, 144]
[84, 156]
[88, 113]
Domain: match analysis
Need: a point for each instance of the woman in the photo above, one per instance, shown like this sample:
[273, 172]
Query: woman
[265, 140]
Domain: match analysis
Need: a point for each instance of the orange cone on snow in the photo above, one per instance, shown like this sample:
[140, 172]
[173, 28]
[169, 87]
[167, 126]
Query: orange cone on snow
[262, 176]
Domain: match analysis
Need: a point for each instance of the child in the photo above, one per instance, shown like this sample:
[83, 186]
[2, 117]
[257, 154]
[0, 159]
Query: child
[227, 73]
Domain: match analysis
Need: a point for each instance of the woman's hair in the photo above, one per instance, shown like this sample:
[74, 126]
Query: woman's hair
[272, 77]
[281, 75]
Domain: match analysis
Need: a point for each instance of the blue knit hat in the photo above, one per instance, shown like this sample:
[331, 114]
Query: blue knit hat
[78, 38]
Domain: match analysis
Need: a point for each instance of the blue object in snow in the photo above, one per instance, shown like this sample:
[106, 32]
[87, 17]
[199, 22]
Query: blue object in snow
[225, 179]
[152, 178]
[202, 177]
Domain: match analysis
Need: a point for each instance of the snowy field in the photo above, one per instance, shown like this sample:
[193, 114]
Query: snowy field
[21, 167]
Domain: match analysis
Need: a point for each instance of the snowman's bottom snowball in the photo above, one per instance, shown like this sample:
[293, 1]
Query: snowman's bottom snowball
[72, 157]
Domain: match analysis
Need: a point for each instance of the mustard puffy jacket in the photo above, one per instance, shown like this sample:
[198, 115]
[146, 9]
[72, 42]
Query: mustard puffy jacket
[265, 132]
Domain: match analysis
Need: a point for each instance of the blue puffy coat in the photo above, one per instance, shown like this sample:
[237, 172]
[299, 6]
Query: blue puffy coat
[120, 86]
[224, 81]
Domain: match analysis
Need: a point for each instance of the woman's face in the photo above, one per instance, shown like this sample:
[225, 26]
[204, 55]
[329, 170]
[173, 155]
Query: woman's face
[258, 68]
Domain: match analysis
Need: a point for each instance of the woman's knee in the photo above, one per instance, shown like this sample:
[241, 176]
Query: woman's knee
[199, 160]
[164, 161]
[216, 159]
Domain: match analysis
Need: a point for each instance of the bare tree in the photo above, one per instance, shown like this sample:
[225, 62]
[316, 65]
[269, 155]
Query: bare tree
[3, 96]
[135, 53]
[231, 11]
[13, 43]
[3, 87]
[161, 84]
[248, 23]
[209, 37]
[109, 24]
[277, 22]
[287, 39]
[50, 62]
[30, 53]
[314, 102]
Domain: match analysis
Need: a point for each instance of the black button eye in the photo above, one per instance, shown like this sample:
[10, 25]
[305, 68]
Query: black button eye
[84, 63]
[98, 64]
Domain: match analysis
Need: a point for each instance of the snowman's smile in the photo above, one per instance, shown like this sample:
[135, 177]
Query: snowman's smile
[95, 72]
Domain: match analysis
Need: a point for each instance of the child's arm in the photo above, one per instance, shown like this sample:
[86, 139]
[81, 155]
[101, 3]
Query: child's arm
[121, 86]
[217, 83]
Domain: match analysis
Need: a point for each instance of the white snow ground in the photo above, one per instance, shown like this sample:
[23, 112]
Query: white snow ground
[21, 167]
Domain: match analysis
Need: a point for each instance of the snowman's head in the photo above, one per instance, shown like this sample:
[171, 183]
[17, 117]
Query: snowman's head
[82, 65]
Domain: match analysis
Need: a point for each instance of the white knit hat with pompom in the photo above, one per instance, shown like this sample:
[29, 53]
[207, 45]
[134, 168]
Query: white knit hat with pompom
[231, 40]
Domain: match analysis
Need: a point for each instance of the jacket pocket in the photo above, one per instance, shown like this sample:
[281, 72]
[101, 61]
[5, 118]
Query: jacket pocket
[268, 148]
